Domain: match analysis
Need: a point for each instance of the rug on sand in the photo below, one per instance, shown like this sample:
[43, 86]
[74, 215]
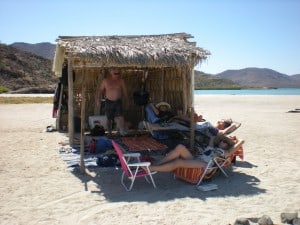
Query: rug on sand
[142, 143]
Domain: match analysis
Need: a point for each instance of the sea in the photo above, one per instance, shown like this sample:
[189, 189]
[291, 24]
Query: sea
[275, 91]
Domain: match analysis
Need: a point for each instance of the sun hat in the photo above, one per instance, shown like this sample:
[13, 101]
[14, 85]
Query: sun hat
[163, 103]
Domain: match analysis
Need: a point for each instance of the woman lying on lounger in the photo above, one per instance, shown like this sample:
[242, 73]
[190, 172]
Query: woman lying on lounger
[224, 126]
[181, 157]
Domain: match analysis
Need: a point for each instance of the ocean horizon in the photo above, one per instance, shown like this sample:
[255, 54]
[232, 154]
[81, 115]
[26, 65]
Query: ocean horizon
[276, 91]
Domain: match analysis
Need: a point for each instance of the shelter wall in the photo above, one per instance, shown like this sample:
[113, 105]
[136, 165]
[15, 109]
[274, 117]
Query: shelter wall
[163, 84]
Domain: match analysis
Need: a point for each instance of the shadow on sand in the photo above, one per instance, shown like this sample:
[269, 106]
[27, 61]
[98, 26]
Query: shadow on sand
[108, 184]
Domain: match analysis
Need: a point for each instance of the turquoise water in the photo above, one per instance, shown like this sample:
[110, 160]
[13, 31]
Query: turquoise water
[278, 91]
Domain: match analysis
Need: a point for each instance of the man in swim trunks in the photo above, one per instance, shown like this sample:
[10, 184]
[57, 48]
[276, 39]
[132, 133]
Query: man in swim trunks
[114, 89]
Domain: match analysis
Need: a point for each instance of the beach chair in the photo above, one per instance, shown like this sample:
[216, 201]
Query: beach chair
[197, 175]
[160, 129]
[132, 167]
[203, 130]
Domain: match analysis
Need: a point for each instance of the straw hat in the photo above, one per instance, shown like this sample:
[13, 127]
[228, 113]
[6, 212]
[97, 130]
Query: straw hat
[163, 103]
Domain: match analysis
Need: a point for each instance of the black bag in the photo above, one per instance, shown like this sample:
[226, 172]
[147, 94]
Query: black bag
[98, 130]
[108, 160]
[141, 97]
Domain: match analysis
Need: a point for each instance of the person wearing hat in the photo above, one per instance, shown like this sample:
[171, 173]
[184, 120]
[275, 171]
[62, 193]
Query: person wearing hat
[162, 110]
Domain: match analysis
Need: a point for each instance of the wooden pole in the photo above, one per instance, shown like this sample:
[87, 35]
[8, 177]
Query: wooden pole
[162, 87]
[184, 90]
[82, 123]
[70, 102]
[192, 123]
[58, 127]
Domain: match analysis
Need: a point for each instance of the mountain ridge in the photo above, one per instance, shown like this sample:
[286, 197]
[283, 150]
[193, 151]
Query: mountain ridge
[261, 77]
[20, 70]
[28, 66]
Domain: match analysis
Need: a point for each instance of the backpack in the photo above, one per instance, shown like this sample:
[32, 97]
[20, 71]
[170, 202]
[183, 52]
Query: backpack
[110, 160]
[98, 130]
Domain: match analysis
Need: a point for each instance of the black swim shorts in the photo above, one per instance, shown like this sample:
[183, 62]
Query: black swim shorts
[113, 109]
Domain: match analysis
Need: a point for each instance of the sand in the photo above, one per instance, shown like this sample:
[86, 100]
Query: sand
[37, 188]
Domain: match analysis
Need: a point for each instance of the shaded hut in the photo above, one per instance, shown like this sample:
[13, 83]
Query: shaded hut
[162, 65]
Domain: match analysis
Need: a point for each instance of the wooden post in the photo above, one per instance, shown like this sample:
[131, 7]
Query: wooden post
[184, 92]
[70, 102]
[192, 125]
[58, 127]
[82, 123]
[162, 87]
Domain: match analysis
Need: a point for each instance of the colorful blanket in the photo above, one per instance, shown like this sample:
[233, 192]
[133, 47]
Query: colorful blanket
[142, 143]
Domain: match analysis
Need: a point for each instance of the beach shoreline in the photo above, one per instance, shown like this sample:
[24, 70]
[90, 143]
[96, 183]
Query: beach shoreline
[37, 188]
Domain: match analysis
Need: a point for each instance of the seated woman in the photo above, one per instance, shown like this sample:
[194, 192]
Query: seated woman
[181, 157]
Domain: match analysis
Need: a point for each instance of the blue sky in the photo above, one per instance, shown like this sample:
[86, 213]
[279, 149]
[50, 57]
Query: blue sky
[238, 33]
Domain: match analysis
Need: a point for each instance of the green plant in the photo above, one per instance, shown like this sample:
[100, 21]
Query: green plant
[3, 89]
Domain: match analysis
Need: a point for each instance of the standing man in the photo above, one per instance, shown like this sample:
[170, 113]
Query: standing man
[114, 89]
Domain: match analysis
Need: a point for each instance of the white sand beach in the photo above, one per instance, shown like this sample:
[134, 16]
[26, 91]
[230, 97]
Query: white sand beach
[37, 188]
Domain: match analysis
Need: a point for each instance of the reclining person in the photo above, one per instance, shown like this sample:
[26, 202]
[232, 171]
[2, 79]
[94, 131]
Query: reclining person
[181, 157]
[162, 110]
[223, 126]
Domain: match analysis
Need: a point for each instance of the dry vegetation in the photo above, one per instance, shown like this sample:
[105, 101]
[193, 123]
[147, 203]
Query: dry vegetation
[25, 100]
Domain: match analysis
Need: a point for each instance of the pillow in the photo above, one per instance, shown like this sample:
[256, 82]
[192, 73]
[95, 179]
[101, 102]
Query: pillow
[100, 120]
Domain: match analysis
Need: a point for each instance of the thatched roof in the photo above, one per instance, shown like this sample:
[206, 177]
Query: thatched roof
[167, 50]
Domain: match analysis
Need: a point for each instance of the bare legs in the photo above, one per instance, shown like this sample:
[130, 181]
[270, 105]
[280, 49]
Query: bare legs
[120, 125]
[179, 157]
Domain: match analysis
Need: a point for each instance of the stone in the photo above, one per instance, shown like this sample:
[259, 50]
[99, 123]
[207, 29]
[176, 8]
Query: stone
[288, 217]
[296, 221]
[265, 220]
[241, 221]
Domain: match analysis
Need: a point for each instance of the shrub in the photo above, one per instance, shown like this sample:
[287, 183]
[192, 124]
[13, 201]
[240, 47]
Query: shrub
[3, 89]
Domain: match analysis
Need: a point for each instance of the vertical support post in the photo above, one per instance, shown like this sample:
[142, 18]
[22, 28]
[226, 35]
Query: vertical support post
[58, 127]
[184, 92]
[70, 102]
[82, 121]
[192, 124]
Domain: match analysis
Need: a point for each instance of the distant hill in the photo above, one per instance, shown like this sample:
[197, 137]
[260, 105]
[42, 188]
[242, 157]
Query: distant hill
[24, 70]
[27, 67]
[44, 49]
[257, 77]
[206, 81]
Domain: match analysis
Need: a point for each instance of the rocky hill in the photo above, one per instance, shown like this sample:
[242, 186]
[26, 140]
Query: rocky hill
[206, 81]
[25, 71]
[44, 49]
[27, 68]
[256, 77]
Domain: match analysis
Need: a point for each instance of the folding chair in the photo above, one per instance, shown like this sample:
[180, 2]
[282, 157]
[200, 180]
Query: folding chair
[132, 170]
